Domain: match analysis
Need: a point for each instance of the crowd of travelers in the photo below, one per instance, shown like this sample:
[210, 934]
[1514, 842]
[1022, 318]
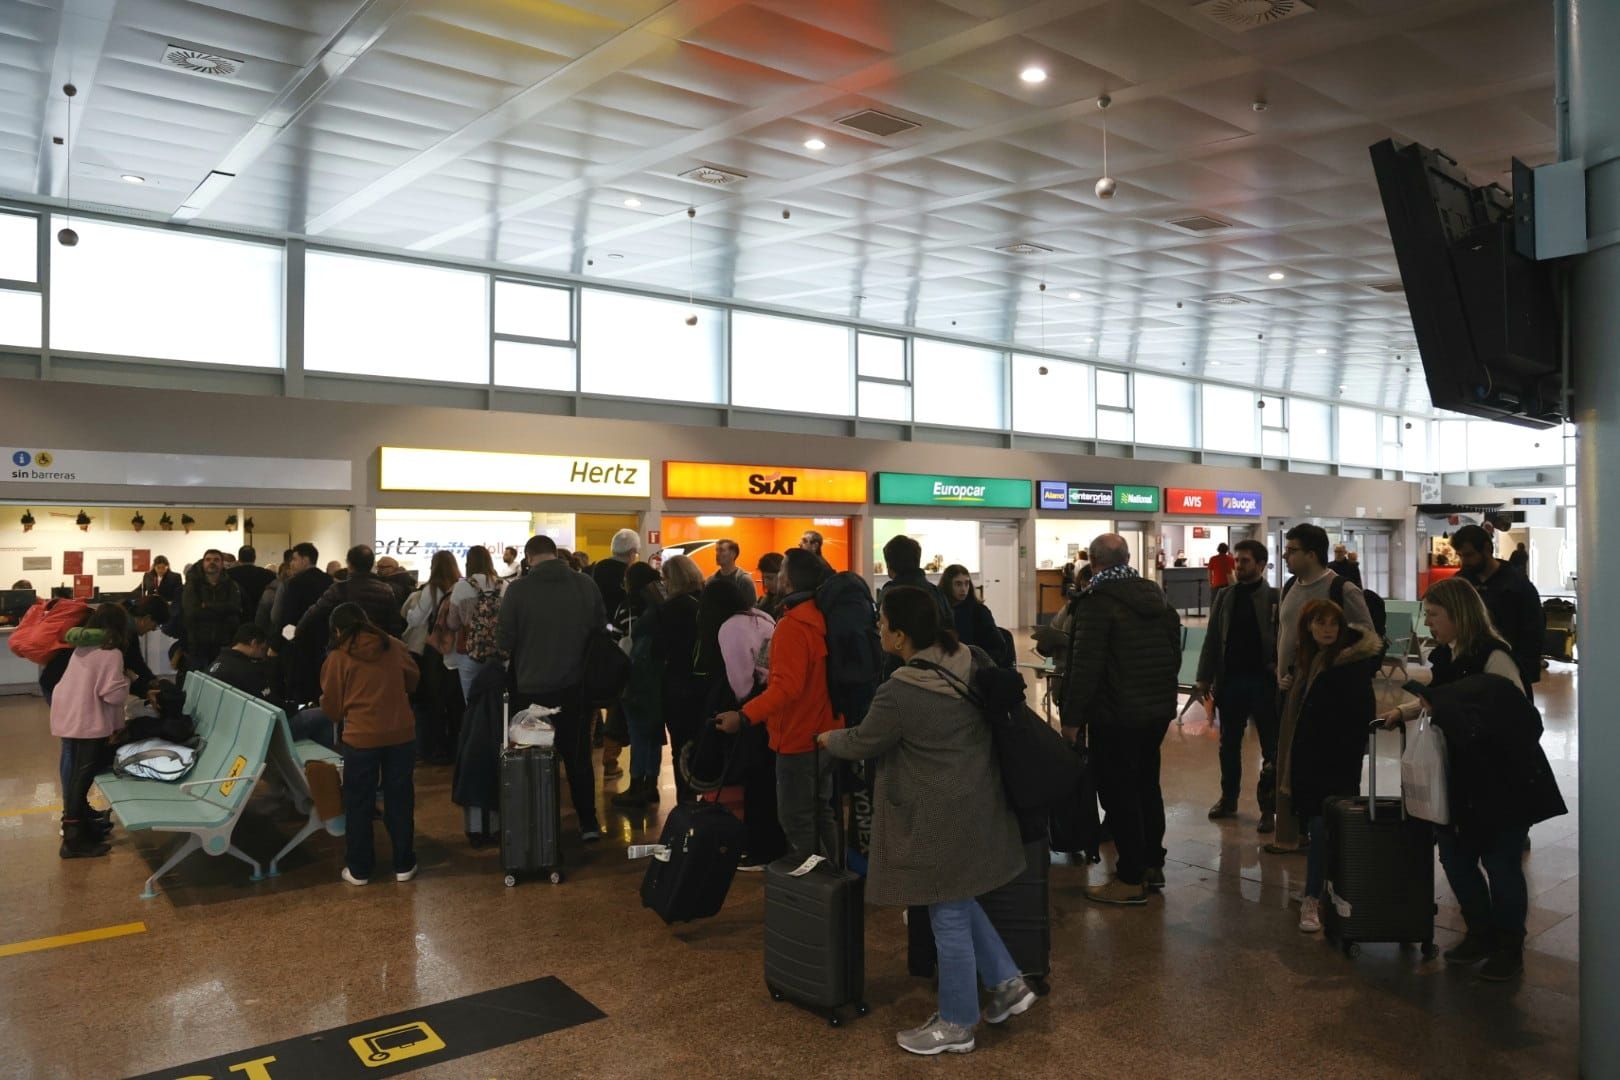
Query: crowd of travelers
[391, 672]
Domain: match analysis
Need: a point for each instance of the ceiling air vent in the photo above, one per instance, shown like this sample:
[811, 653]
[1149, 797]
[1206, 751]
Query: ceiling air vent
[1244, 15]
[1225, 300]
[878, 123]
[1388, 286]
[1199, 223]
[1023, 248]
[201, 63]
[709, 176]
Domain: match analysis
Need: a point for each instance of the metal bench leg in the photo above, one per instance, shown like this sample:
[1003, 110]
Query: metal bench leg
[258, 872]
[193, 842]
[311, 827]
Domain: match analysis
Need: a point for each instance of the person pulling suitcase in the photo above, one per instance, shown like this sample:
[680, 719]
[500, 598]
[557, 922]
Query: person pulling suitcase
[942, 831]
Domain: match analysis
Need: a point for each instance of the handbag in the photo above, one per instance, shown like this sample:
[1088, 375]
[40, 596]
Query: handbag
[1423, 774]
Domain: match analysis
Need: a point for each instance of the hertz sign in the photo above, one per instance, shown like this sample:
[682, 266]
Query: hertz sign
[762, 483]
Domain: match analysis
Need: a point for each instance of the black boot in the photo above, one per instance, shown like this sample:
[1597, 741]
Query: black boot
[79, 842]
[634, 797]
[1506, 960]
[1474, 947]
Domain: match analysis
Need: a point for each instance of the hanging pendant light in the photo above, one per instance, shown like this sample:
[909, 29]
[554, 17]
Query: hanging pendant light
[691, 314]
[67, 237]
[1106, 186]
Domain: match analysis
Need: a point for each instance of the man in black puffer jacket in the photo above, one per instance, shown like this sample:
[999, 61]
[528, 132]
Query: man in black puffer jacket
[1124, 660]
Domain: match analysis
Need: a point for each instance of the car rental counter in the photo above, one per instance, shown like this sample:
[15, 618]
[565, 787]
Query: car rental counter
[17, 676]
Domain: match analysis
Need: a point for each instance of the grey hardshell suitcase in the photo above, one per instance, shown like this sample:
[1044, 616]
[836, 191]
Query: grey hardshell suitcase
[815, 935]
[531, 813]
[1380, 884]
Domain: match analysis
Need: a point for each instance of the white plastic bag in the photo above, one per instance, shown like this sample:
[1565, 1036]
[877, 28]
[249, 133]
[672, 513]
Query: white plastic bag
[529, 727]
[1423, 774]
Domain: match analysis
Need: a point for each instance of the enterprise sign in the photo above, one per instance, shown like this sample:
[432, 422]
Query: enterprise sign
[1061, 495]
[1201, 501]
[405, 469]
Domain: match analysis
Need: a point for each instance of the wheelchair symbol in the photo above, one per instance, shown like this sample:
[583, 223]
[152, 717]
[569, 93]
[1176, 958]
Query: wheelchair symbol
[396, 1044]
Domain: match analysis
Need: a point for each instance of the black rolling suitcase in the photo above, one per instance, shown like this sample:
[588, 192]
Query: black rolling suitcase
[1380, 883]
[689, 878]
[1021, 913]
[815, 935]
[531, 813]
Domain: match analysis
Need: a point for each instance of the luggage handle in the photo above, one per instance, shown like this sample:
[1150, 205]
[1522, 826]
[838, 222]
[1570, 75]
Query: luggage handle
[1372, 768]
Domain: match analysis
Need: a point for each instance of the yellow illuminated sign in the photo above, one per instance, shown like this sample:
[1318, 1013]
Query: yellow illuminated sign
[763, 483]
[396, 1044]
[236, 770]
[409, 469]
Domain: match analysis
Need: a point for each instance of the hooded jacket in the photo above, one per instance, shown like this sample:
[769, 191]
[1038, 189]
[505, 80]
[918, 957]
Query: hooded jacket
[976, 625]
[365, 688]
[1330, 709]
[547, 617]
[1498, 774]
[795, 706]
[374, 595]
[1124, 656]
[941, 826]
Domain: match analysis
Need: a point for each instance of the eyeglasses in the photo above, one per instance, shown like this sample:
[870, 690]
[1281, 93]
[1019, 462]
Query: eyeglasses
[1292, 550]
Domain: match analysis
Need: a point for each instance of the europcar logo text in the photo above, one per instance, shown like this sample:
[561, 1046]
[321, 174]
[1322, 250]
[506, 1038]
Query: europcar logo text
[961, 493]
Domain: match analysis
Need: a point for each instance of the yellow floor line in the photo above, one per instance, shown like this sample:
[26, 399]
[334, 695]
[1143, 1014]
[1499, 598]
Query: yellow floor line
[31, 810]
[105, 932]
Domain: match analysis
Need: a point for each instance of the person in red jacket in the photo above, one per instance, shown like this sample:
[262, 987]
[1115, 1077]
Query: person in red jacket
[795, 707]
[365, 689]
[1221, 566]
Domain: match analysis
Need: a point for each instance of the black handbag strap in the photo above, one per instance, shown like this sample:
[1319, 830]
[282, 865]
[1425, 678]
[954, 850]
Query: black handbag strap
[962, 689]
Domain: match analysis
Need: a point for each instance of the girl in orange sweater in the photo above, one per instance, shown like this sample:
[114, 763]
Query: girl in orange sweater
[365, 690]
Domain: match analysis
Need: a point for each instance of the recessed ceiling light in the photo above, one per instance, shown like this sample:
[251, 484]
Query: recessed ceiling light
[615, 255]
[1321, 352]
[1033, 74]
[1091, 341]
[1214, 363]
[131, 178]
[814, 144]
[632, 202]
[1075, 296]
[1276, 275]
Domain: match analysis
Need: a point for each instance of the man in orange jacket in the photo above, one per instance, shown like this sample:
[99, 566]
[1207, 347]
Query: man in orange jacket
[795, 707]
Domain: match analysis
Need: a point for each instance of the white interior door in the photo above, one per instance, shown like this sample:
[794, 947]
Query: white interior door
[998, 570]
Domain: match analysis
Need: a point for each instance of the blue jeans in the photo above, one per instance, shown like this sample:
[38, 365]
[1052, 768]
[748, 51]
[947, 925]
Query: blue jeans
[64, 768]
[314, 725]
[1500, 904]
[468, 669]
[968, 945]
[1316, 856]
[361, 768]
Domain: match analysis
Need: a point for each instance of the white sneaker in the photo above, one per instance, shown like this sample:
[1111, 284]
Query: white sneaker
[406, 876]
[1310, 915]
[352, 880]
[936, 1037]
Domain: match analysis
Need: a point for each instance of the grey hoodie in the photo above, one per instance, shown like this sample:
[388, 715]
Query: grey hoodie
[546, 618]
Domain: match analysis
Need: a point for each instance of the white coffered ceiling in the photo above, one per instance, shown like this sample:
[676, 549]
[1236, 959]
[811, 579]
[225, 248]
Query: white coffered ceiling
[514, 131]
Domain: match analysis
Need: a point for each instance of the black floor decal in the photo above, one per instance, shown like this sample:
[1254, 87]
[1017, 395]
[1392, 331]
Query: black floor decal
[414, 1039]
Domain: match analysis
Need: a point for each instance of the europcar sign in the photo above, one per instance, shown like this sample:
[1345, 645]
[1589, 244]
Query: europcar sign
[922, 489]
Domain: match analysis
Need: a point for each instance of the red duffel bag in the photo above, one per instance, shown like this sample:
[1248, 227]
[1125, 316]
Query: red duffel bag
[40, 633]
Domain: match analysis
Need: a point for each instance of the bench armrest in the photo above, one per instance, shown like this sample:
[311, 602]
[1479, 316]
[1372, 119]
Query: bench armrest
[250, 779]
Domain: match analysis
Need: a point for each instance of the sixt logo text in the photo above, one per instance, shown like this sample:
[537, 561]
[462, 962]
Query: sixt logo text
[776, 484]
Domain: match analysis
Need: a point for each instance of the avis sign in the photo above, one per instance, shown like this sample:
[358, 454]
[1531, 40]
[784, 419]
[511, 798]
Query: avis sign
[1208, 503]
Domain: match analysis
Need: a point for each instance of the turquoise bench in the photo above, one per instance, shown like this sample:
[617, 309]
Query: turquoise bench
[1400, 630]
[206, 807]
[287, 756]
[1192, 646]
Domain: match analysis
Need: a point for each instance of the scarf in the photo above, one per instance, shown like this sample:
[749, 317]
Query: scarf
[959, 663]
[1122, 572]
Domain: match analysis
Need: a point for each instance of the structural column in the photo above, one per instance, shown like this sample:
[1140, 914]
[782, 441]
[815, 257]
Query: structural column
[1592, 29]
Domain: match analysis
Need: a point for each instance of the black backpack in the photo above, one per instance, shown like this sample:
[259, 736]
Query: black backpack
[607, 670]
[854, 657]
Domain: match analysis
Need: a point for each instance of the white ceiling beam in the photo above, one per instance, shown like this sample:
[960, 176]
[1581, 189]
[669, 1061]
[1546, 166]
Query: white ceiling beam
[81, 35]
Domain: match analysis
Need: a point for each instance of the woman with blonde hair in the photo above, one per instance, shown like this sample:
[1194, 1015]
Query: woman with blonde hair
[685, 689]
[1497, 774]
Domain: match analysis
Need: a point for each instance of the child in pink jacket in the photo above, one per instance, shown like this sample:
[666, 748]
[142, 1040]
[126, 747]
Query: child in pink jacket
[86, 709]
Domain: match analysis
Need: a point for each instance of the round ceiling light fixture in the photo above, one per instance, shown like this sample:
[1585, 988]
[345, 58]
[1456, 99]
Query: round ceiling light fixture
[632, 202]
[1075, 296]
[1033, 74]
[131, 178]
[814, 144]
[1321, 352]
[1107, 185]
[1276, 275]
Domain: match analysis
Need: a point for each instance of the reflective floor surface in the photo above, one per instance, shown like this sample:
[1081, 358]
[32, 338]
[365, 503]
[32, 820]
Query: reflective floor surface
[1210, 980]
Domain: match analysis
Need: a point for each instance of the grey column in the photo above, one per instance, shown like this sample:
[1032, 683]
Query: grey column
[1593, 31]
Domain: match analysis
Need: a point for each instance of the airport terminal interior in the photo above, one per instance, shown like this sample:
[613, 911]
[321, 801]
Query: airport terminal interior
[348, 338]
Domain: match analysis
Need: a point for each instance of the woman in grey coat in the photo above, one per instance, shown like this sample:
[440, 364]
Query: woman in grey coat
[942, 832]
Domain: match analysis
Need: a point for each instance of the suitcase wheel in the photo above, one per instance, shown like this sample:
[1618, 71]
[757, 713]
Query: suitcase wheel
[1352, 950]
[511, 880]
[556, 877]
[862, 1009]
[1430, 950]
[776, 995]
[834, 1021]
